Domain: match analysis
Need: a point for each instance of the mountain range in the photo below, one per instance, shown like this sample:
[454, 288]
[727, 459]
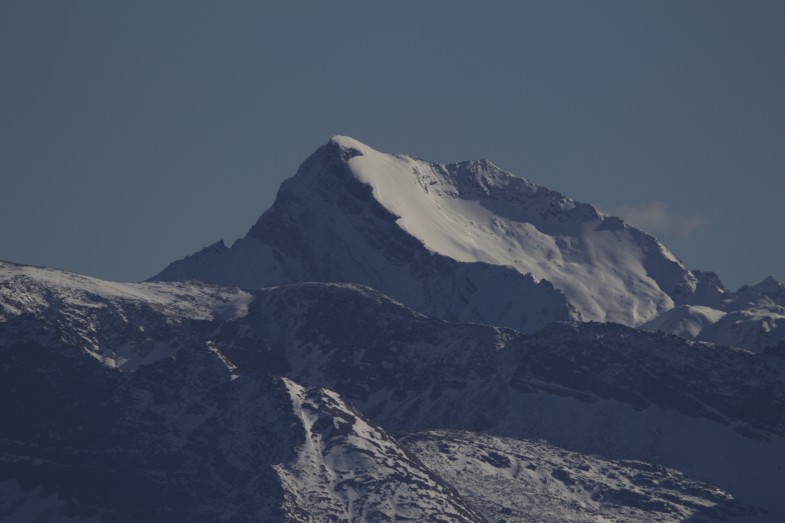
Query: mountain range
[470, 242]
[397, 340]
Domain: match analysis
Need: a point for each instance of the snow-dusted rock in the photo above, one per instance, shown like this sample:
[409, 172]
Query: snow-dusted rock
[687, 321]
[713, 413]
[187, 435]
[465, 241]
[470, 242]
[511, 479]
[207, 430]
[751, 318]
[124, 325]
[350, 470]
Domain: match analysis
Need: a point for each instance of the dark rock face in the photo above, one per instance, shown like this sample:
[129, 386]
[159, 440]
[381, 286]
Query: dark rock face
[357, 341]
[158, 444]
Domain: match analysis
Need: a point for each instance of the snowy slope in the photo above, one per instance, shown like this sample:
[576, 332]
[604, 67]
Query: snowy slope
[687, 321]
[751, 318]
[474, 211]
[123, 325]
[532, 481]
[348, 469]
[463, 241]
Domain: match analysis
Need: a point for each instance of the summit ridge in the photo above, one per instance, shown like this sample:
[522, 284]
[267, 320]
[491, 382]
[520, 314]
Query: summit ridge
[348, 201]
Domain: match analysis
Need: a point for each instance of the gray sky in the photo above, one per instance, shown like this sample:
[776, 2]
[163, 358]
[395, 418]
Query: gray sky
[132, 134]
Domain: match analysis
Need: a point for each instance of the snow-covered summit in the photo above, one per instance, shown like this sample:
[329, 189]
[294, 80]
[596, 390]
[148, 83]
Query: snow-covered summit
[464, 240]
[474, 211]
[347, 142]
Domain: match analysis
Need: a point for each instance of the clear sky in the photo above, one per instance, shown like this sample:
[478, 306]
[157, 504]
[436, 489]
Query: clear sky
[135, 133]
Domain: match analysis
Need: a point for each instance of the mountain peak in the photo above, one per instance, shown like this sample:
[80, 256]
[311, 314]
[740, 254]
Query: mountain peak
[767, 285]
[355, 214]
[347, 142]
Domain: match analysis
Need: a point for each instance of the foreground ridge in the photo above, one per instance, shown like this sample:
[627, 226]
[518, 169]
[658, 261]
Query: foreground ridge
[309, 401]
